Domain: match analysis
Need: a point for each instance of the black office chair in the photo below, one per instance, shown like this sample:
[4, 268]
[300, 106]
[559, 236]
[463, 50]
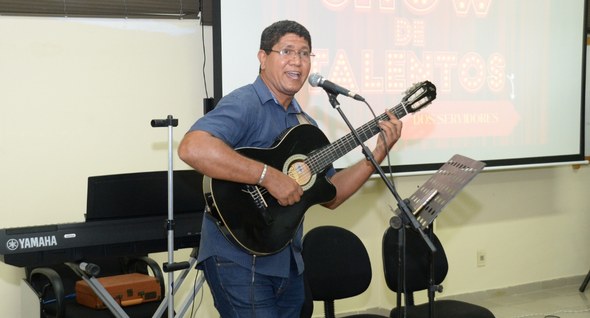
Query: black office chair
[337, 266]
[417, 277]
[55, 287]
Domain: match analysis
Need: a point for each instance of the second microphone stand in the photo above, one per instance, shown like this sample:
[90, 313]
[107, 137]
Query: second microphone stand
[407, 218]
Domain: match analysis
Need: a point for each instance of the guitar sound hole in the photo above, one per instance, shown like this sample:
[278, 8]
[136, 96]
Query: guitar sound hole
[300, 172]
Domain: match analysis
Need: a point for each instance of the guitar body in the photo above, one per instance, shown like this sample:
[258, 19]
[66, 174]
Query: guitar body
[249, 215]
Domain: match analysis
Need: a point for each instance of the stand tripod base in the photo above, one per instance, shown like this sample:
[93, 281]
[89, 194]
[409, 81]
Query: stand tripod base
[585, 283]
[177, 283]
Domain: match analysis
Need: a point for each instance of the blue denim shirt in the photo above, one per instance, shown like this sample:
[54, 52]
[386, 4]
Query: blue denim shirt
[250, 117]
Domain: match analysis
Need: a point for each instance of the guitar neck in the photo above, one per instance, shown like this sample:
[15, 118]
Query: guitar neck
[323, 157]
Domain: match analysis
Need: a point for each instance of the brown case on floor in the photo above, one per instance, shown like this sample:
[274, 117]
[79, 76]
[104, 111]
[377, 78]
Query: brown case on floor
[126, 289]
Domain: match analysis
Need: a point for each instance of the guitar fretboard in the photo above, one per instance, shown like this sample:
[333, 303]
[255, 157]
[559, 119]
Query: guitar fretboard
[417, 97]
[323, 157]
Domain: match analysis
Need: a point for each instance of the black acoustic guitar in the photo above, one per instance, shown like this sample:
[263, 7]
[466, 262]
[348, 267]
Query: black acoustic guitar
[252, 219]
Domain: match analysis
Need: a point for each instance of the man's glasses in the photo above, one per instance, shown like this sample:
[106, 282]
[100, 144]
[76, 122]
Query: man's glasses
[288, 53]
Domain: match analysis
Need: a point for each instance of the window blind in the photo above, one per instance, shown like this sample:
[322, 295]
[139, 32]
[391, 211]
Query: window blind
[165, 9]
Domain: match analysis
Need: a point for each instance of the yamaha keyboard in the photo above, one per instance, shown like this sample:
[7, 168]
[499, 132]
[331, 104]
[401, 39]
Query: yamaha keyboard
[71, 242]
[126, 215]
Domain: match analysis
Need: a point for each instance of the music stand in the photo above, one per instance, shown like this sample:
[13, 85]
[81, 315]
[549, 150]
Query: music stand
[426, 203]
[423, 207]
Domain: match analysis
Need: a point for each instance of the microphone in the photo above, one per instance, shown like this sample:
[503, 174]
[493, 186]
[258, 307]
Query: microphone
[316, 80]
[90, 269]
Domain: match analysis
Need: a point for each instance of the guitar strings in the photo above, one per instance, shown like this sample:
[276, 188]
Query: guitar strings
[340, 147]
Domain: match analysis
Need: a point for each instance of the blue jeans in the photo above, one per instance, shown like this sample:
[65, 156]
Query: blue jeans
[239, 292]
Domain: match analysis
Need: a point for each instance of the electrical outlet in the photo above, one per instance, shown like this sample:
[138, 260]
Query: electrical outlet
[481, 258]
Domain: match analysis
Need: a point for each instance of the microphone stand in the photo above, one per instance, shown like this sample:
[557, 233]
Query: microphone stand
[405, 218]
[170, 267]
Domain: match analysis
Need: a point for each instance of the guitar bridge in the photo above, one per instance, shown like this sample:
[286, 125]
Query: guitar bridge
[260, 203]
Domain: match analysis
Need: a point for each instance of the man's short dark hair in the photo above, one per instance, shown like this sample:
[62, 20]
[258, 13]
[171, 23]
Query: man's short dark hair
[273, 33]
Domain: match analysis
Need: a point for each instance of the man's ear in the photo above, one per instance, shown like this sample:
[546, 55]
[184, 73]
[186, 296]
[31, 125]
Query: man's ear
[262, 59]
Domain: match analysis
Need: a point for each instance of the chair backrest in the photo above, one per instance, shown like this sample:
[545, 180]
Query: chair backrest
[337, 264]
[417, 260]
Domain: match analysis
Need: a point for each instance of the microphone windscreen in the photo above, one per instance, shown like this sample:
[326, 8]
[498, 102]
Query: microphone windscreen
[314, 79]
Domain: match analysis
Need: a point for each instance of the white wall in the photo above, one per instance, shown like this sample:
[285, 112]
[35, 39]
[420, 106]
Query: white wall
[532, 223]
[67, 114]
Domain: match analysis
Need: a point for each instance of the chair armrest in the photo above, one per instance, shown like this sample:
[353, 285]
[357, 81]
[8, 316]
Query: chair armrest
[42, 278]
[133, 264]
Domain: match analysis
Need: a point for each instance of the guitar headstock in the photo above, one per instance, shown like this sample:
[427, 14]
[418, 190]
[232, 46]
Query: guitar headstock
[418, 96]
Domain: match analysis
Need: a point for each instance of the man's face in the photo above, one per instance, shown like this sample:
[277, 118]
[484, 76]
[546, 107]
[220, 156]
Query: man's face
[285, 74]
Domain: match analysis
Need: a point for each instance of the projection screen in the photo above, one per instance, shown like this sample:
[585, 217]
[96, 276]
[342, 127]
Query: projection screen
[510, 75]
